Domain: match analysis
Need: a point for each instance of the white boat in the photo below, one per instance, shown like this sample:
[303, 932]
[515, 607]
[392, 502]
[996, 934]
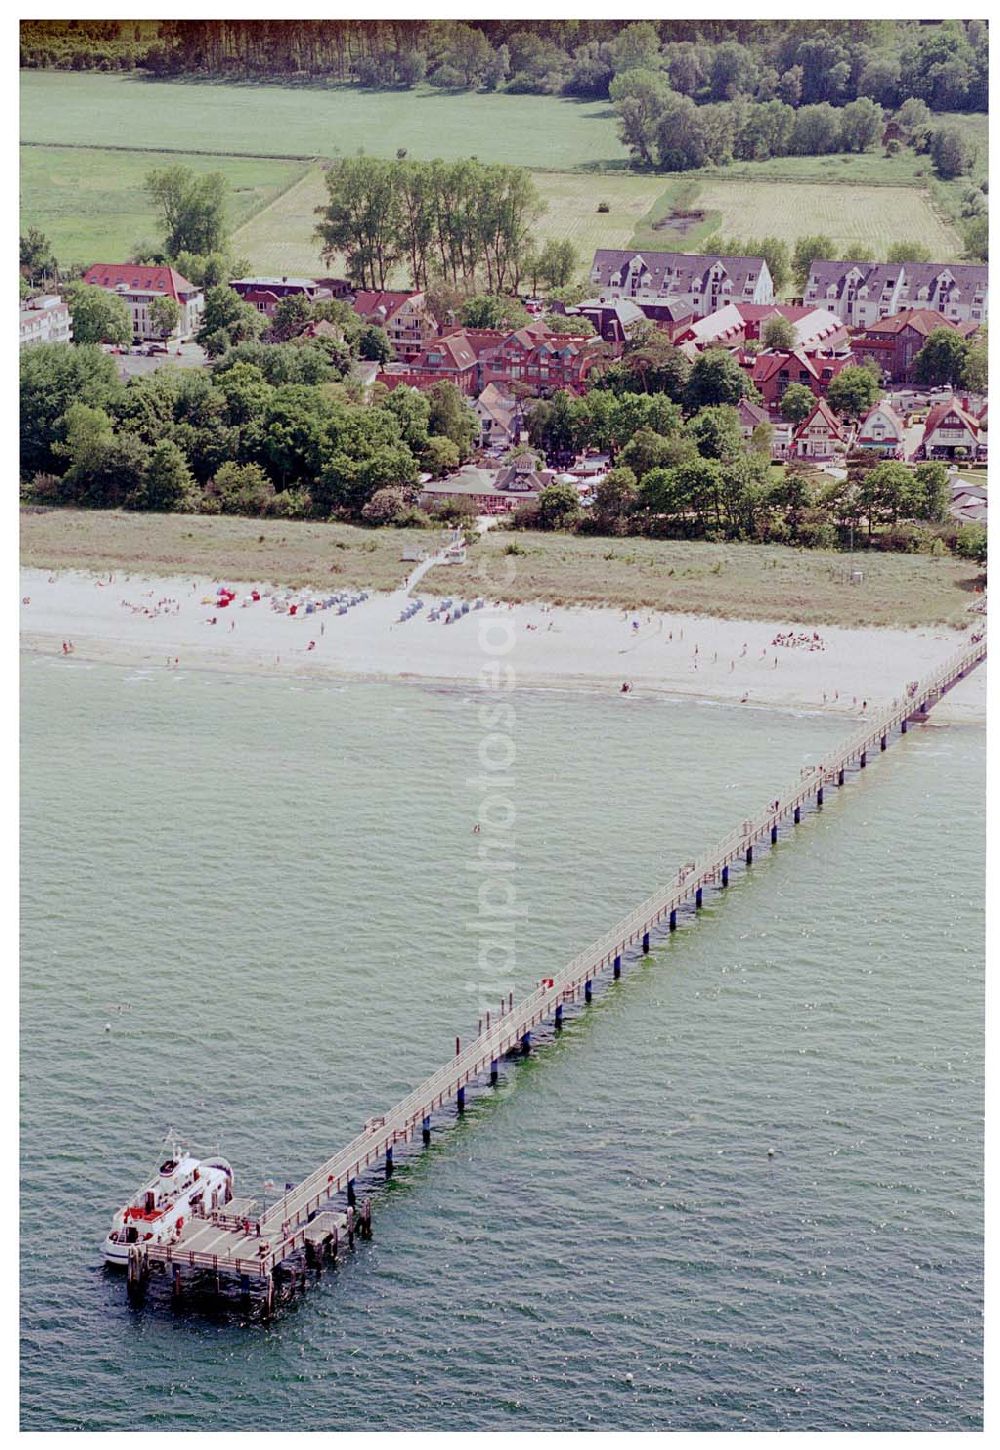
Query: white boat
[184, 1187]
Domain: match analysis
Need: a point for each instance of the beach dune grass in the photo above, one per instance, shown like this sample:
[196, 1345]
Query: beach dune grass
[275, 551]
[735, 581]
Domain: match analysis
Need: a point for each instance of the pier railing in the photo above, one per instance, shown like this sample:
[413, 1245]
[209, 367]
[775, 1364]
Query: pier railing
[399, 1124]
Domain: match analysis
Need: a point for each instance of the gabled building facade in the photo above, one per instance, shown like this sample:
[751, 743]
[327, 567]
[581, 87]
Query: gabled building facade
[705, 282]
[773, 372]
[862, 293]
[951, 431]
[882, 431]
[819, 434]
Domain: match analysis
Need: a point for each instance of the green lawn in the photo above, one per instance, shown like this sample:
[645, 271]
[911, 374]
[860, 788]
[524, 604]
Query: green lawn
[92, 206]
[99, 110]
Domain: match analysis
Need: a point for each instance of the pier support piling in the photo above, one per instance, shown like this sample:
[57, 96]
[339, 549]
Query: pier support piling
[351, 1199]
[617, 968]
[269, 1296]
[588, 991]
[138, 1275]
[645, 943]
[426, 1132]
[365, 1226]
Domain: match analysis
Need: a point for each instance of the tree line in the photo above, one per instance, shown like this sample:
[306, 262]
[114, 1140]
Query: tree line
[664, 128]
[799, 61]
[463, 222]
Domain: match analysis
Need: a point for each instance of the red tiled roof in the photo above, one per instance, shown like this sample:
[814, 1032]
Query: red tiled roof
[921, 319]
[766, 364]
[138, 279]
[368, 303]
[760, 311]
[456, 349]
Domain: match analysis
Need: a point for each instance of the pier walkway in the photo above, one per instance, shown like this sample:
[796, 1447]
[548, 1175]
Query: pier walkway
[254, 1249]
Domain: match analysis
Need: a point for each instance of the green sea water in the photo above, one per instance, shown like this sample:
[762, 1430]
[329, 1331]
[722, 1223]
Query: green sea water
[270, 878]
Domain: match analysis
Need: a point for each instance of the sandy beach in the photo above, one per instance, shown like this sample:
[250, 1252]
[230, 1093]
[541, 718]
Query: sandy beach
[166, 623]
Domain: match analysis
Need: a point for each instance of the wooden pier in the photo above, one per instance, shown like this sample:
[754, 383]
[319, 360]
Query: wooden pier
[304, 1227]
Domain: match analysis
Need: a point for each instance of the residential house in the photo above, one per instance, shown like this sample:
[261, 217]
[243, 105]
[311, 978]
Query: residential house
[45, 319]
[611, 317]
[773, 372]
[723, 328]
[499, 417]
[541, 360]
[951, 431]
[752, 415]
[819, 434]
[862, 293]
[815, 327]
[893, 343]
[883, 431]
[405, 317]
[705, 282]
[959, 291]
[492, 491]
[265, 293]
[139, 287]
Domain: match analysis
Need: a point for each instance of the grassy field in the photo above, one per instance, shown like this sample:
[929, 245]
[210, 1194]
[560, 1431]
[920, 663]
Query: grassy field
[251, 550]
[91, 203]
[91, 200]
[538, 131]
[739, 581]
[870, 216]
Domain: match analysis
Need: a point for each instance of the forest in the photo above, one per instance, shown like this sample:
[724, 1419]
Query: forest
[797, 62]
